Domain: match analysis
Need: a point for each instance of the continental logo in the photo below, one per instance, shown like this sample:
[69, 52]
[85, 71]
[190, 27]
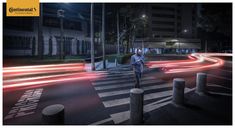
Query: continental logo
[22, 8]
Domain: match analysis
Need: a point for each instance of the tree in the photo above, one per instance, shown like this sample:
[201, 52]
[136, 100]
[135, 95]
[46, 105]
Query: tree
[216, 18]
[132, 24]
[215, 25]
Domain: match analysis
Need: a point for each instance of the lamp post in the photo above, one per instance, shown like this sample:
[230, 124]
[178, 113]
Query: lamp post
[144, 18]
[103, 34]
[184, 31]
[118, 34]
[60, 14]
[40, 37]
[92, 38]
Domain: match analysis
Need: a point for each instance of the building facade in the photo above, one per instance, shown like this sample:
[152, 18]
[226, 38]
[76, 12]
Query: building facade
[171, 28]
[20, 34]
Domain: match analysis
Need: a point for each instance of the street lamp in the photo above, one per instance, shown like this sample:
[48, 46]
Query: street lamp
[60, 14]
[103, 34]
[92, 37]
[184, 31]
[144, 18]
[40, 33]
[118, 35]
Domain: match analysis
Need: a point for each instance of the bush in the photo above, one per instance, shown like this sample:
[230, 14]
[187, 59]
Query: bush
[123, 59]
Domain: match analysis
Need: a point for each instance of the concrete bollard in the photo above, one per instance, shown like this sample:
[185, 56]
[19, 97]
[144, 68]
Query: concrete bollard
[136, 106]
[116, 63]
[107, 63]
[53, 114]
[201, 83]
[178, 91]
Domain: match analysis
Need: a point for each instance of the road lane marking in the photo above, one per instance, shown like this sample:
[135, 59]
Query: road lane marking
[117, 102]
[26, 105]
[215, 85]
[118, 81]
[115, 78]
[126, 91]
[102, 121]
[220, 93]
[144, 82]
[112, 76]
[125, 115]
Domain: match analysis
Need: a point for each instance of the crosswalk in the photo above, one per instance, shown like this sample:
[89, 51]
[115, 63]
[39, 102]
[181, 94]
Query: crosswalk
[114, 89]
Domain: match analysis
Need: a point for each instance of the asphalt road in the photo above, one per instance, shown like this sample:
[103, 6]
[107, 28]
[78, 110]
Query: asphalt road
[103, 99]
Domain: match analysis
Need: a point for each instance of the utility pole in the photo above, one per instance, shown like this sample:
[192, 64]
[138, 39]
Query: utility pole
[118, 34]
[144, 17]
[40, 37]
[92, 38]
[60, 14]
[143, 39]
[103, 34]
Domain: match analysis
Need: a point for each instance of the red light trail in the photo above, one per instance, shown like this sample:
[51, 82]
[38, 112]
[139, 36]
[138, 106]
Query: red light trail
[40, 69]
[21, 76]
[43, 75]
[196, 62]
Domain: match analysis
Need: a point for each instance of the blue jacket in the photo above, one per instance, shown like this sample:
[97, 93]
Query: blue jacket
[137, 62]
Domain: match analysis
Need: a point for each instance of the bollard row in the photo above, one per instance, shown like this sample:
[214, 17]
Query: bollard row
[137, 96]
[54, 114]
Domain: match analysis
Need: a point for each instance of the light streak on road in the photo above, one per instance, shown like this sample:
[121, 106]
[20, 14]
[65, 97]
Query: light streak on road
[196, 62]
[49, 80]
[32, 70]
[173, 63]
[43, 75]
[42, 66]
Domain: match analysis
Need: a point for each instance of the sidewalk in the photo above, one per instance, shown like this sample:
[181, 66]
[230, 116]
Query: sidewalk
[211, 109]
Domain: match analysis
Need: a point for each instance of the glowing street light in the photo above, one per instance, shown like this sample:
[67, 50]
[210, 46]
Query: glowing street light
[185, 30]
[143, 16]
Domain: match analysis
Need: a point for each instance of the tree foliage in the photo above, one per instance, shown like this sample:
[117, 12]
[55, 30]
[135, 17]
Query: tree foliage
[216, 18]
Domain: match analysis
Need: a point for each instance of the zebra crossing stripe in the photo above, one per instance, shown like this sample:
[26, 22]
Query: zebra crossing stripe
[117, 102]
[112, 73]
[102, 121]
[111, 76]
[118, 81]
[120, 117]
[144, 82]
[220, 93]
[115, 78]
[152, 106]
[126, 91]
[215, 85]
[123, 116]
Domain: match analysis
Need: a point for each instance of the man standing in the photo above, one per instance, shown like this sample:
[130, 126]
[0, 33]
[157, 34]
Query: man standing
[137, 62]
